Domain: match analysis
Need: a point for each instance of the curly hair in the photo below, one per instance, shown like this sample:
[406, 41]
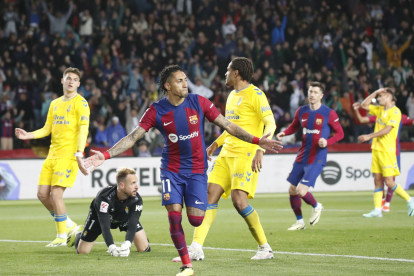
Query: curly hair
[244, 66]
[165, 74]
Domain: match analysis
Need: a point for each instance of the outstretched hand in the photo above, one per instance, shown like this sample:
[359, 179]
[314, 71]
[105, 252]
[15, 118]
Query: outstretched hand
[270, 145]
[22, 134]
[95, 160]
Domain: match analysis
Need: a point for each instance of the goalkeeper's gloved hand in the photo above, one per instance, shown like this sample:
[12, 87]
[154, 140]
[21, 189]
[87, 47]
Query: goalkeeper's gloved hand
[124, 250]
[112, 249]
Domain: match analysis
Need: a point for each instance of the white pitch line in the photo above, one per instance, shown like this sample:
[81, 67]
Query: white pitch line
[275, 252]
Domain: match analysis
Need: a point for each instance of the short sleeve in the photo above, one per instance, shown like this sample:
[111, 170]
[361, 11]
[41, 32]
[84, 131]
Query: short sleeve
[148, 120]
[372, 119]
[394, 118]
[406, 121]
[209, 110]
[83, 112]
[375, 110]
[261, 104]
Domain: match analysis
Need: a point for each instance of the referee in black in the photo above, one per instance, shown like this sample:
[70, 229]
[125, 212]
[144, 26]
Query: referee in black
[114, 207]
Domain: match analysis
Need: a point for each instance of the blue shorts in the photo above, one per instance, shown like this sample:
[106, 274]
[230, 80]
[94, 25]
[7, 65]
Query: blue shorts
[399, 162]
[306, 174]
[190, 186]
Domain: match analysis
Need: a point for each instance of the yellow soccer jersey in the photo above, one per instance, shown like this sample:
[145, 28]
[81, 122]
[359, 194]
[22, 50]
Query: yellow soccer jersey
[245, 108]
[390, 117]
[66, 116]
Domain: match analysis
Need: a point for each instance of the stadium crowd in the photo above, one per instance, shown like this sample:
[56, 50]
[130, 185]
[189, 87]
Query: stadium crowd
[353, 47]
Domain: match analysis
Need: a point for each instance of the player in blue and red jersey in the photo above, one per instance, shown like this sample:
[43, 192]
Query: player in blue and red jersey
[180, 118]
[405, 121]
[317, 122]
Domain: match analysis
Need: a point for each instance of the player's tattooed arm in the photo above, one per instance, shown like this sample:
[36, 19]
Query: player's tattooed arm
[233, 129]
[127, 142]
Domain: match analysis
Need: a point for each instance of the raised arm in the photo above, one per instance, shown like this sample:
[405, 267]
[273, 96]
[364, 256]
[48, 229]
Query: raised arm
[365, 104]
[243, 135]
[362, 120]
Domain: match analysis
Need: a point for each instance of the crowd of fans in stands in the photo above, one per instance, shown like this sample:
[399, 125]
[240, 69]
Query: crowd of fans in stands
[353, 47]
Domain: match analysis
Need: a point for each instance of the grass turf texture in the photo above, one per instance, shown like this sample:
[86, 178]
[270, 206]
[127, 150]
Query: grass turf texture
[341, 231]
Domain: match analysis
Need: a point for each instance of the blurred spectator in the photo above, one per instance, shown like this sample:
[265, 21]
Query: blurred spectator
[7, 131]
[394, 54]
[57, 23]
[115, 131]
[143, 150]
[410, 105]
[199, 88]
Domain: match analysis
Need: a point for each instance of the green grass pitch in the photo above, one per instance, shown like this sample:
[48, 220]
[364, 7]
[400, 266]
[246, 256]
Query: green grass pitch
[340, 240]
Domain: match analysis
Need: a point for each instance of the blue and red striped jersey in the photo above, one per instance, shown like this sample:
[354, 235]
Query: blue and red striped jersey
[316, 124]
[405, 121]
[183, 130]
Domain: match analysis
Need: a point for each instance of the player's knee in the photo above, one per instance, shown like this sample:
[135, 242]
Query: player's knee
[195, 220]
[301, 192]
[292, 190]
[239, 204]
[42, 197]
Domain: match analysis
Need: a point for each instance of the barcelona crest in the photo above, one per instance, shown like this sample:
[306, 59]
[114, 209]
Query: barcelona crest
[318, 121]
[193, 119]
[167, 196]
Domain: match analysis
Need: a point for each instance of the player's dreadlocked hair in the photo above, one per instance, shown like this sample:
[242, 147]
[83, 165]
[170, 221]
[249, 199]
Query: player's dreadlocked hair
[164, 75]
[244, 66]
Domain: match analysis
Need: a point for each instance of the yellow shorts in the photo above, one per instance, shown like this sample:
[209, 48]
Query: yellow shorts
[384, 163]
[234, 173]
[59, 172]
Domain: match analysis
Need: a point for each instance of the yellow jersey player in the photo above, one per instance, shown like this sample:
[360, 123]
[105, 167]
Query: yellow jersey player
[235, 171]
[68, 121]
[384, 153]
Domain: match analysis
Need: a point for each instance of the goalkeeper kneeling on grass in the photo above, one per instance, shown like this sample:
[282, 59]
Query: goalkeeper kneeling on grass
[114, 207]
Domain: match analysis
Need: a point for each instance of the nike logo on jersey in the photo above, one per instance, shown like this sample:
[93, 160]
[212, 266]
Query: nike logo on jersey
[211, 105]
[304, 120]
[166, 124]
[198, 202]
[305, 180]
[336, 120]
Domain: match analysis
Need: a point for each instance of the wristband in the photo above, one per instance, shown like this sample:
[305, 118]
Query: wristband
[80, 154]
[255, 140]
[106, 155]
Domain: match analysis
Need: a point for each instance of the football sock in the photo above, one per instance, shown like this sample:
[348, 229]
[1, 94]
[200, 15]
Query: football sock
[252, 219]
[178, 238]
[296, 203]
[389, 197]
[378, 198]
[52, 213]
[309, 199]
[69, 222]
[400, 192]
[60, 221]
[200, 233]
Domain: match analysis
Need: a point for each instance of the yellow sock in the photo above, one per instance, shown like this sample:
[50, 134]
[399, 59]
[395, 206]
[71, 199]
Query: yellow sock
[378, 197]
[60, 221]
[252, 219]
[400, 191]
[200, 233]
